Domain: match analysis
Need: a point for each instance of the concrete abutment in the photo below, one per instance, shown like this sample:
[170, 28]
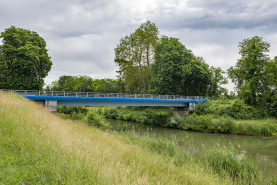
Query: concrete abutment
[51, 105]
[183, 110]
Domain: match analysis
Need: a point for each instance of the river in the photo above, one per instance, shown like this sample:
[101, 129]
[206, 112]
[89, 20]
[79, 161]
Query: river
[262, 151]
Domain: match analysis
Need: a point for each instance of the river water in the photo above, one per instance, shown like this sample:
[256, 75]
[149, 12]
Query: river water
[262, 151]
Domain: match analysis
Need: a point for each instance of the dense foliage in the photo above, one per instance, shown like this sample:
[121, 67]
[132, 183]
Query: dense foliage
[254, 74]
[85, 84]
[24, 61]
[134, 55]
[90, 117]
[149, 64]
[172, 64]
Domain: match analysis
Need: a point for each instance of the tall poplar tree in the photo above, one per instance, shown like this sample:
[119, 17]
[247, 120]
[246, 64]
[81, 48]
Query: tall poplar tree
[134, 56]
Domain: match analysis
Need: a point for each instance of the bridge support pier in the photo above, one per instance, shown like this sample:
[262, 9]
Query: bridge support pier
[48, 104]
[179, 110]
[183, 110]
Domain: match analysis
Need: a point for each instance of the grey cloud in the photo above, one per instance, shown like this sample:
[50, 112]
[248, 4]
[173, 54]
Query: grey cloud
[220, 14]
[81, 34]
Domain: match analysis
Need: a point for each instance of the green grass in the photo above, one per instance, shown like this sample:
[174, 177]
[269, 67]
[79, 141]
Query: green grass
[272, 121]
[37, 147]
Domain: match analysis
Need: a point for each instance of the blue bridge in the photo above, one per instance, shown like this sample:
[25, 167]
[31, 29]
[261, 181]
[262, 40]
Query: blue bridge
[52, 99]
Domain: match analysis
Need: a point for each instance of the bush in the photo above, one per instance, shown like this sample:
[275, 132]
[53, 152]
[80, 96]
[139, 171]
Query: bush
[95, 119]
[156, 118]
[236, 109]
[71, 109]
[127, 116]
[110, 113]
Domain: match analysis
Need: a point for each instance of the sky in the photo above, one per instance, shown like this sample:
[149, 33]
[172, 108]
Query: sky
[81, 34]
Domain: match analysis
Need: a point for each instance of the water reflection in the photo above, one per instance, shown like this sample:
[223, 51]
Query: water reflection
[262, 151]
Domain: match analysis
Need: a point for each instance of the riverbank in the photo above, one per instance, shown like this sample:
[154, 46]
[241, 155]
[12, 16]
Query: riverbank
[201, 121]
[38, 147]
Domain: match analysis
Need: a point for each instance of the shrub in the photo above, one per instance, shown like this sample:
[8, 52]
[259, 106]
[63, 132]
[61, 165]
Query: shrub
[71, 109]
[175, 121]
[110, 113]
[156, 118]
[95, 119]
[236, 109]
[127, 116]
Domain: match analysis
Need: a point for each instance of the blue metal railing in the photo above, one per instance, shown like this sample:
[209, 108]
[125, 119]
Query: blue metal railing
[98, 94]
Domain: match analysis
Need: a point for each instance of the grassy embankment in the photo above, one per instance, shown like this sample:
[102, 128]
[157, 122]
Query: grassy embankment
[37, 147]
[222, 116]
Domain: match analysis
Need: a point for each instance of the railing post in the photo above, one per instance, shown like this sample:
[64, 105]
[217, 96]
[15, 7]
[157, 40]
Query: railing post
[87, 94]
[159, 96]
[126, 95]
[135, 95]
[64, 93]
[52, 93]
[39, 93]
[76, 94]
[25, 92]
[117, 95]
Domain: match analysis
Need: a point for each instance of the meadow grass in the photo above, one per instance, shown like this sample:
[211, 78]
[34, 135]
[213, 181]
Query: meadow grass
[37, 147]
[272, 121]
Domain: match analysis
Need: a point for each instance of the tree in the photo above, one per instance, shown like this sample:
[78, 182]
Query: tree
[217, 79]
[85, 84]
[178, 71]
[72, 84]
[107, 85]
[172, 65]
[24, 61]
[270, 98]
[249, 74]
[197, 80]
[134, 56]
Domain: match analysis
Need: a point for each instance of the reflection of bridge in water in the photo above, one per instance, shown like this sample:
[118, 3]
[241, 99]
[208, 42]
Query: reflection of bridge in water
[52, 99]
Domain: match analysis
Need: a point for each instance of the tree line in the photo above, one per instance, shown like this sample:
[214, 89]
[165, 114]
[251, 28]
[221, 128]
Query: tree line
[148, 63]
[85, 84]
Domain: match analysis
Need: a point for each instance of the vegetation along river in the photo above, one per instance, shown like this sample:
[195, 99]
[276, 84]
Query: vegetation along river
[262, 151]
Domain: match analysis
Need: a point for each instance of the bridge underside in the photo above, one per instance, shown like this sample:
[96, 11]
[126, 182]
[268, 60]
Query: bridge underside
[120, 103]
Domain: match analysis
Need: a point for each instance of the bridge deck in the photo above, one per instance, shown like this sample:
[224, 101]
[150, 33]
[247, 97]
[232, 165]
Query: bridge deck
[106, 101]
[109, 99]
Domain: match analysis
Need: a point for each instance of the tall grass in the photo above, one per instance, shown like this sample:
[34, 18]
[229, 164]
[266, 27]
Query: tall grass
[210, 123]
[224, 162]
[37, 147]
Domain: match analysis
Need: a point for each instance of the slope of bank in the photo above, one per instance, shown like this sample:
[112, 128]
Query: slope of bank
[231, 117]
[37, 147]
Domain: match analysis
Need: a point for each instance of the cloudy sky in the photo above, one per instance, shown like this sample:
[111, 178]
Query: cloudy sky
[81, 34]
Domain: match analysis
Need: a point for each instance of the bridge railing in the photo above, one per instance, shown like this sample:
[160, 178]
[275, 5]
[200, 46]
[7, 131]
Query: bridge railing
[104, 95]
